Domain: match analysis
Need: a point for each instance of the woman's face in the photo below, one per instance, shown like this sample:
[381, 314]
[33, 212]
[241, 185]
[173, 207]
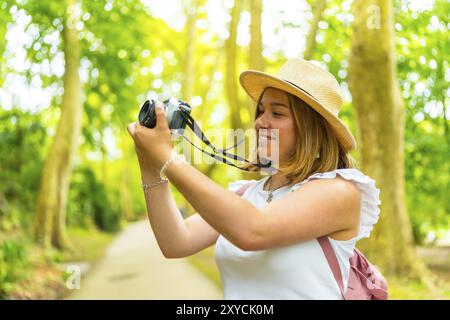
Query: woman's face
[275, 113]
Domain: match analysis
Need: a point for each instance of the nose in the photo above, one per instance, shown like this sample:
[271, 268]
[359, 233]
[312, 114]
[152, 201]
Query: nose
[262, 122]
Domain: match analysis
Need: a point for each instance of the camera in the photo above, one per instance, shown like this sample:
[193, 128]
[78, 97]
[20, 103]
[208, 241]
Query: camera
[178, 116]
[176, 113]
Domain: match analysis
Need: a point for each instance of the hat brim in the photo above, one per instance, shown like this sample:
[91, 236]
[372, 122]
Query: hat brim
[254, 82]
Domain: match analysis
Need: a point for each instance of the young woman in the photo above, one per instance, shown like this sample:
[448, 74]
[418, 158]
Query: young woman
[266, 240]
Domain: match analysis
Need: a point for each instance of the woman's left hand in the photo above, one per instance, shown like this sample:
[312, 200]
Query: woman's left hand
[153, 146]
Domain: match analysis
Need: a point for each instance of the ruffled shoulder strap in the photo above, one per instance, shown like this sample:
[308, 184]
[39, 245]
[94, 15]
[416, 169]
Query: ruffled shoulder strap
[370, 196]
[236, 185]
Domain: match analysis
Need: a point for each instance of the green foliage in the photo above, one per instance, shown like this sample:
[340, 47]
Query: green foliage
[422, 64]
[402, 289]
[23, 133]
[112, 57]
[13, 259]
[423, 61]
[5, 18]
[89, 202]
[90, 244]
[429, 209]
[121, 43]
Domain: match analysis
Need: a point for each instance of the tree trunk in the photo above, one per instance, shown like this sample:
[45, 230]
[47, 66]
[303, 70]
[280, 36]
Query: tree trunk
[442, 94]
[231, 79]
[318, 9]
[255, 58]
[189, 75]
[255, 62]
[380, 124]
[50, 220]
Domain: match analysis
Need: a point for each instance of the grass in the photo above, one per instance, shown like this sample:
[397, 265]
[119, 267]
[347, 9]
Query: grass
[205, 263]
[401, 289]
[42, 277]
[89, 245]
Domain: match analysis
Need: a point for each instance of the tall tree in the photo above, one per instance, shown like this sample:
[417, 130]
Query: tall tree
[92, 32]
[380, 117]
[49, 223]
[318, 8]
[189, 62]
[255, 58]
[423, 61]
[255, 61]
[231, 81]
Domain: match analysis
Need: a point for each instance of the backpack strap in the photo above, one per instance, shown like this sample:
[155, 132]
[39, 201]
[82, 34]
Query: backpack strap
[332, 261]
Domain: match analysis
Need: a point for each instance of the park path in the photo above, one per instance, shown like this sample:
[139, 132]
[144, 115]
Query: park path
[133, 267]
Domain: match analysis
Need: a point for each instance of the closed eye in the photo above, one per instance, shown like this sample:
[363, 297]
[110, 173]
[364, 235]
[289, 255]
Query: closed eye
[274, 113]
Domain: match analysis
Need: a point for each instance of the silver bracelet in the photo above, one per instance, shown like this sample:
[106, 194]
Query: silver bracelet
[148, 186]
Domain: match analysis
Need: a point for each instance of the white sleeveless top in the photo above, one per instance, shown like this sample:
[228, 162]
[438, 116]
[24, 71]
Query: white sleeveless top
[298, 271]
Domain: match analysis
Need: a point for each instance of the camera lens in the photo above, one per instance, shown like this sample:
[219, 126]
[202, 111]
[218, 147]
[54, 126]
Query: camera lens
[147, 115]
[175, 109]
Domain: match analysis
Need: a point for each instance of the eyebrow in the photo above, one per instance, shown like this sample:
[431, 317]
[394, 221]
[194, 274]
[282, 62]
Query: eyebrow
[273, 104]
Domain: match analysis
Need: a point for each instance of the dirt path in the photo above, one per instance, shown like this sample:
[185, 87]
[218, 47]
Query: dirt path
[134, 268]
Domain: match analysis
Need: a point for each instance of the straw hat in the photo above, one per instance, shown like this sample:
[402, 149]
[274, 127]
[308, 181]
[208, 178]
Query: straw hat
[309, 82]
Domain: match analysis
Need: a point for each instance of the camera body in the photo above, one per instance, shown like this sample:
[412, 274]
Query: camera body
[173, 108]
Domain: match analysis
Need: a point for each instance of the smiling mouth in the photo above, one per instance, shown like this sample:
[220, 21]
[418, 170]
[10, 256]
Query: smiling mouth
[265, 137]
[269, 134]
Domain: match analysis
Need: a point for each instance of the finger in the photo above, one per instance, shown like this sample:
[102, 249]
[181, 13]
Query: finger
[131, 128]
[161, 120]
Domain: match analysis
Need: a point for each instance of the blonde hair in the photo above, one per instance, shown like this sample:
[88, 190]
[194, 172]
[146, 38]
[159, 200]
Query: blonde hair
[314, 136]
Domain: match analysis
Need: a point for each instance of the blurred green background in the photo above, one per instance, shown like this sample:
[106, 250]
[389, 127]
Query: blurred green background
[74, 73]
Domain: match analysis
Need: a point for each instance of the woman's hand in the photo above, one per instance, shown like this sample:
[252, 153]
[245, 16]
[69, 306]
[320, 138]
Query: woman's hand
[153, 146]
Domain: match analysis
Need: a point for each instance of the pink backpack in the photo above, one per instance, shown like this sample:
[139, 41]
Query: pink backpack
[365, 282]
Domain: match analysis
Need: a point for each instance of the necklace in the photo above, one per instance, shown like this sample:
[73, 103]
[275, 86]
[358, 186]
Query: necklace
[270, 196]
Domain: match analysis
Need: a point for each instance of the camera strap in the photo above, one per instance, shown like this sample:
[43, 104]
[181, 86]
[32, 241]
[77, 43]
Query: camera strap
[199, 133]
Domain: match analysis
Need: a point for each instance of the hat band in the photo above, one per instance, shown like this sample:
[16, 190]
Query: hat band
[300, 89]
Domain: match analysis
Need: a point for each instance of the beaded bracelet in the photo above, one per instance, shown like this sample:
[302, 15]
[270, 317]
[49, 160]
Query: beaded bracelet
[174, 157]
[148, 186]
